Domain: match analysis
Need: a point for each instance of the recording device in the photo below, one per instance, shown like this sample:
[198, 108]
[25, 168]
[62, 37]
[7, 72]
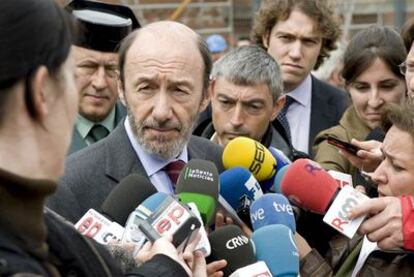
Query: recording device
[342, 179]
[251, 155]
[198, 183]
[281, 159]
[124, 197]
[311, 187]
[171, 218]
[348, 147]
[132, 233]
[96, 226]
[230, 243]
[272, 208]
[278, 179]
[275, 245]
[120, 202]
[239, 187]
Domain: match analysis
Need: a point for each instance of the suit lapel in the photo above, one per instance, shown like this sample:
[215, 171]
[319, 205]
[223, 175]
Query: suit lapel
[77, 142]
[120, 157]
[322, 112]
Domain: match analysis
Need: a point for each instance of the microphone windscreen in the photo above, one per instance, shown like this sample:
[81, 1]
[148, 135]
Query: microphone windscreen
[146, 208]
[198, 182]
[281, 159]
[278, 179]
[272, 208]
[309, 186]
[250, 154]
[230, 243]
[236, 183]
[275, 245]
[126, 196]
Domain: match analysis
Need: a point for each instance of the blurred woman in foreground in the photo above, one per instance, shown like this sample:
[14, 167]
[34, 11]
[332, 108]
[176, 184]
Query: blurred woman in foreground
[38, 105]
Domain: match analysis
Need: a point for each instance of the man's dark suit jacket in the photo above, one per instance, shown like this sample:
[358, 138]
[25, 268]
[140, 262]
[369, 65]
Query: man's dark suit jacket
[327, 106]
[92, 173]
[79, 143]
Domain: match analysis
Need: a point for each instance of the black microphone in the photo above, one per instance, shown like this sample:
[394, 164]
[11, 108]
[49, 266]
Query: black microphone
[230, 243]
[126, 196]
[106, 225]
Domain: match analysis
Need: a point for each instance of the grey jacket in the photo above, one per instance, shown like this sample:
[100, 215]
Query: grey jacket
[92, 173]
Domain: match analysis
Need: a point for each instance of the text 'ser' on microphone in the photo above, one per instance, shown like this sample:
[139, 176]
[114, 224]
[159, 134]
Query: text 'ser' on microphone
[107, 226]
[272, 208]
[230, 243]
[239, 188]
[252, 155]
[275, 246]
[198, 183]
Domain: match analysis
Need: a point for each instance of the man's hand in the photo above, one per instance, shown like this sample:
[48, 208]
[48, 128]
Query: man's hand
[222, 220]
[385, 226]
[368, 158]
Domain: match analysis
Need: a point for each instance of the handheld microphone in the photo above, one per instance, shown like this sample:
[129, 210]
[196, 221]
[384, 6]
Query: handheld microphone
[312, 188]
[275, 245]
[309, 186]
[132, 233]
[120, 202]
[96, 226]
[250, 154]
[198, 183]
[171, 218]
[124, 197]
[278, 179]
[272, 208]
[230, 243]
[239, 187]
[280, 157]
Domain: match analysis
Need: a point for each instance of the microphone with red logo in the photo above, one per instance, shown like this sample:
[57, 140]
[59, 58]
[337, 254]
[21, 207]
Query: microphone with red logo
[106, 226]
[310, 187]
[171, 218]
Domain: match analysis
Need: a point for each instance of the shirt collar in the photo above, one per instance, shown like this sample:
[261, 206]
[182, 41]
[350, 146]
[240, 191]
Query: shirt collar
[302, 94]
[84, 125]
[151, 163]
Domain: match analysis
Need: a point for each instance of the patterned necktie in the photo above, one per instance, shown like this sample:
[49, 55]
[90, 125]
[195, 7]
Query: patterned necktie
[282, 116]
[98, 132]
[173, 170]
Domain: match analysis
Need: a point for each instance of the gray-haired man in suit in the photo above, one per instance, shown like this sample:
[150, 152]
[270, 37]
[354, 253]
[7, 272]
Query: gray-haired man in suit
[164, 76]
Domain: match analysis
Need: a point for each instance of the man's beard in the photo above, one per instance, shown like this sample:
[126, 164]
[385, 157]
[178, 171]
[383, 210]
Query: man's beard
[161, 146]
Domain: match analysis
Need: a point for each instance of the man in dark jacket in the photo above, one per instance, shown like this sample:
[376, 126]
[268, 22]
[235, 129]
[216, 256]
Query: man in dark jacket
[103, 27]
[246, 95]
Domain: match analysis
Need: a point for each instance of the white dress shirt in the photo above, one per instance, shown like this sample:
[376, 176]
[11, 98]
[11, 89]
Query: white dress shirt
[153, 165]
[298, 114]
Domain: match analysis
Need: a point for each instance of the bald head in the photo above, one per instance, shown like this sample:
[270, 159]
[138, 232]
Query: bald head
[165, 38]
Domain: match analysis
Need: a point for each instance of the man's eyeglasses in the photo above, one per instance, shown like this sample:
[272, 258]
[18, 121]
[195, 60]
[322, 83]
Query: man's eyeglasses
[404, 68]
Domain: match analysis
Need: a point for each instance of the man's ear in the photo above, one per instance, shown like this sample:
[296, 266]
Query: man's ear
[265, 39]
[207, 96]
[121, 89]
[278, 106]
[38, 91]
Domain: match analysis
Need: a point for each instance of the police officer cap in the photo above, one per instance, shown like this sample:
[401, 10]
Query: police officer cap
[102, 25]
